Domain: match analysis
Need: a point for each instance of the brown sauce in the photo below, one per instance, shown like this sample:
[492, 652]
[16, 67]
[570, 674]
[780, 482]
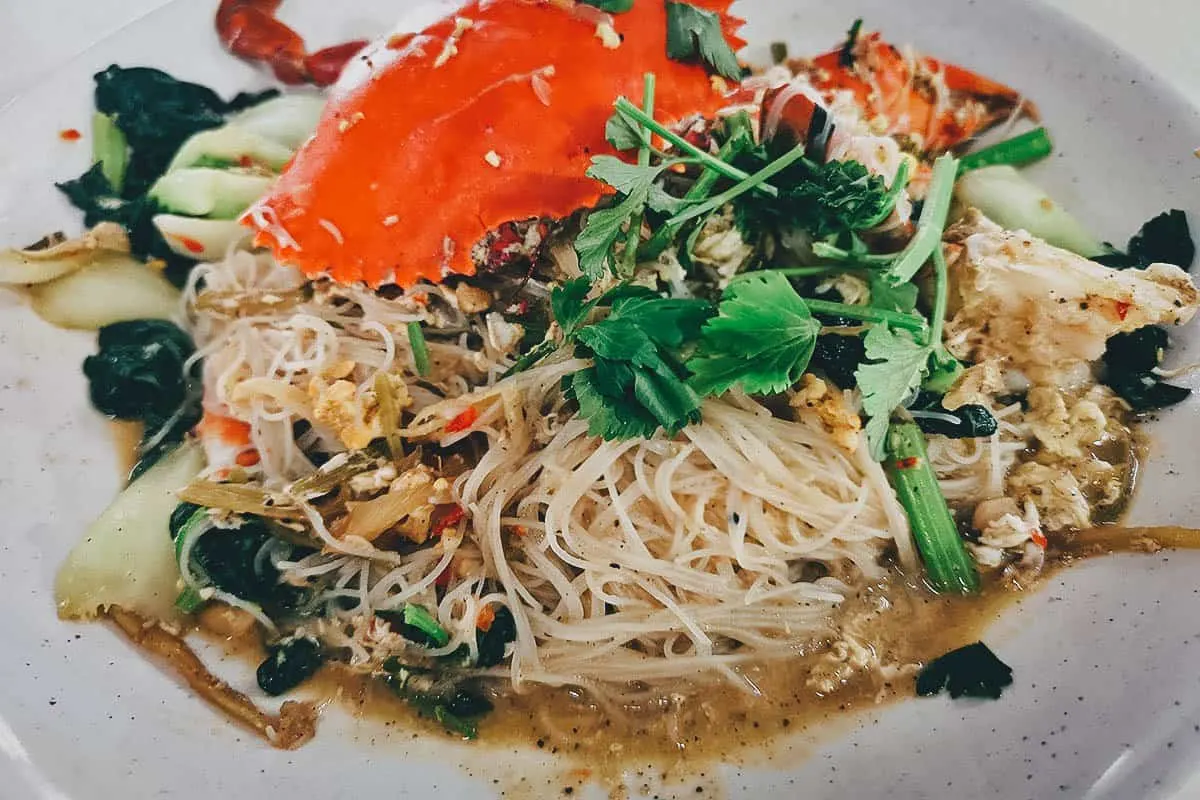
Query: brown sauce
[678, 743]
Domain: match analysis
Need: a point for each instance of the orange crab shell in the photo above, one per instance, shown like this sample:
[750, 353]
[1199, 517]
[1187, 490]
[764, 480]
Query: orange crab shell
[899, 90]
[484, 118]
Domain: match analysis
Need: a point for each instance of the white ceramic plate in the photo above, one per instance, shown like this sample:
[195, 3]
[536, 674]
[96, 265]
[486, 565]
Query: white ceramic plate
[1107, 697]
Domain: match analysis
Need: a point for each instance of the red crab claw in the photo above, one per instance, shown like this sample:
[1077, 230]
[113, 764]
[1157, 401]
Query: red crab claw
[938, 106]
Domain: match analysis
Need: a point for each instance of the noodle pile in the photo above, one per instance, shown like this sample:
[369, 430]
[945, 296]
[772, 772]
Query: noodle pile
[621, 562]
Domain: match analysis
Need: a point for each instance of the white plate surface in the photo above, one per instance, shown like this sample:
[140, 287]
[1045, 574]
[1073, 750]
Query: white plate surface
[1107, 697]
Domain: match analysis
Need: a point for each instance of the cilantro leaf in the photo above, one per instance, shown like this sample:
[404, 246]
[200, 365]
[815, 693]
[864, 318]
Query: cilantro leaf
[694, 32]
[897, 363]
[893, 298]
[635, 385]
[604, 227]
[761, 339]
[621, 133]
[609, 417]
[569, 305]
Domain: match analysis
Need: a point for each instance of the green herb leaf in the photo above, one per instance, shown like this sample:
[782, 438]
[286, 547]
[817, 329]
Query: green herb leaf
[604, 227]
[569, 305]
[611, 6]
[896, 364]
[696, 33]
[621, 133]
[971, 671]
[828, 200]
[893, 298]
[761, 339]
[420, 618]
[635, 385]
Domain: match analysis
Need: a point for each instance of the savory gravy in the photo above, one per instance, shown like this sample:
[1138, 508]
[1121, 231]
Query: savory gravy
[678, 737]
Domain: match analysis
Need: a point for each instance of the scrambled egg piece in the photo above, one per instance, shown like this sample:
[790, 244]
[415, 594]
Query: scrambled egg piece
[1069, 433]
[829, 405]
[1044, 309]
[352, 416]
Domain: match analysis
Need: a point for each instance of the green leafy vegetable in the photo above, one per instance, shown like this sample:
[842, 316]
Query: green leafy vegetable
[110, 150]
[846, 54]
[1024, 149]
[1129, 361]
[493, 641]
[828, 200]
[611, 6]
[1166, 238]
[932, 224]
[761, 339]
[837, 356]
[157, 113]
[696, 33]
[455, 707]
[633, 237]
[138, 374]
[289, 663]
[227, 559]
[604, 227]
[143, 116]
[971, 671]
[948, 565]
[896, 364]
[969, 421]
[1137, 351]
[636, 384]
[1145, 392]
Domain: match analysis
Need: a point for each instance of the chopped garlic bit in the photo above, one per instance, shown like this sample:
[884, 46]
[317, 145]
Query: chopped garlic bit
[354, 119]
[493, 158]
[391, 220]
[608, 35]
[461, 26]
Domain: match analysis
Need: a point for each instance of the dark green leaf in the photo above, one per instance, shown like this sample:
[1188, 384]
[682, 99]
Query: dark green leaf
[971, 421]
[1166, 238]
[895, 366]
[493, 641]
[833, 199]
[971, 671]
[569, 304]
[611, 6]
[288, 664]
[157, 113]
[1145, 392]
[838, 356]
[846, 54]
[1135, 352]
[608, 417]
[696, 33]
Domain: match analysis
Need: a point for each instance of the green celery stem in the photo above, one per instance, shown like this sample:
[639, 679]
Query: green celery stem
[895, 319]
[948, 565]
[635, 222]
[1024, 149]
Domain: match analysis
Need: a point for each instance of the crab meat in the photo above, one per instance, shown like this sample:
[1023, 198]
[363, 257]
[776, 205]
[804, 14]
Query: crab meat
[1046, 310]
